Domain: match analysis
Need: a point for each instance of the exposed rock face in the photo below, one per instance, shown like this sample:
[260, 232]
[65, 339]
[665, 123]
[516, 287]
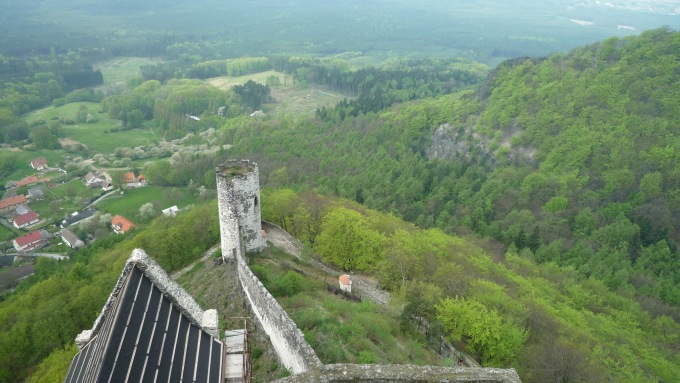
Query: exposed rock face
[465, 144]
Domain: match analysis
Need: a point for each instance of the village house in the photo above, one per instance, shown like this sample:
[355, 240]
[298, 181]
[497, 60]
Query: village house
[78, 217]
[131, 180]
[28, 219]
[94, 180]
[30, 180]
[345, 283]
[171, 211]
[12, 202]
[36, 193]
[39, 163]
[70, 239]
[29, 241]
[121, 224]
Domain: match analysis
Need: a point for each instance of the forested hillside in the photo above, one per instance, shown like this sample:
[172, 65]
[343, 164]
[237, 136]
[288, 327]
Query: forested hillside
[571, 160]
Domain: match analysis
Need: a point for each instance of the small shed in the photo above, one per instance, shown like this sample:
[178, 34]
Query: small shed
[36, 192]
[345, 283]
[171, 211]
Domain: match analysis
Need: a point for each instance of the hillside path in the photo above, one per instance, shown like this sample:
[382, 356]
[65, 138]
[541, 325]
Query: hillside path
[362, 285]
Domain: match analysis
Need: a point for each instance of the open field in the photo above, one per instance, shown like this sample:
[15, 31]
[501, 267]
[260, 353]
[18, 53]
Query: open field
[289, 98]
[128, 204]
[302, 101]
[96, 136]
[118, 71]
[226, 82]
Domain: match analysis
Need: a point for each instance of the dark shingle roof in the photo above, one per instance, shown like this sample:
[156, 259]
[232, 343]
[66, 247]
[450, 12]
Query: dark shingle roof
[144, 335]
[70, 220]
[6, 260]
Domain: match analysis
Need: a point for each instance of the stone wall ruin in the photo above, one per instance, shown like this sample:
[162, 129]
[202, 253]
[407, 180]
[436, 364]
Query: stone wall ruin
[240, 227]
[238, 195]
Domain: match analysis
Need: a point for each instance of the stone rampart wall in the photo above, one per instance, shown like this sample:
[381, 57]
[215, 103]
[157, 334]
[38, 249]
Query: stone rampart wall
[288, 341]
[374, 373]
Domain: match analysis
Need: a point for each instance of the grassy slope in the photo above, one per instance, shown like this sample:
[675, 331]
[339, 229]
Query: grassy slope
[22, 160]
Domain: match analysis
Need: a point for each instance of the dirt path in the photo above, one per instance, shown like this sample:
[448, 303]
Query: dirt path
[362, 285]
[208, 254]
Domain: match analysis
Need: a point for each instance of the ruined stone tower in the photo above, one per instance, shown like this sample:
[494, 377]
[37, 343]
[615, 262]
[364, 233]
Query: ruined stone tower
[238, 196]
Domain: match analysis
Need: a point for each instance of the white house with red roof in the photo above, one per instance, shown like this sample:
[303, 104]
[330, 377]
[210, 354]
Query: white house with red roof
[28, 241]
[39, 163]
[27, 219]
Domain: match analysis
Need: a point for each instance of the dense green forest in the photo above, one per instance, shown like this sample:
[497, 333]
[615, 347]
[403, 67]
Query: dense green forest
[506, 310]
[569, 159]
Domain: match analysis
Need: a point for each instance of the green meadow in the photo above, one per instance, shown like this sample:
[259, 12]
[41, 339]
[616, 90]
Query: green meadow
[98, 135]
[128, 203]
[119, 70]
[7, 234]
[22, 161]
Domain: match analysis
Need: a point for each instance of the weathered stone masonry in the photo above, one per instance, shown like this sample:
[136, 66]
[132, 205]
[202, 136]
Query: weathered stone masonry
[238, 195]
[238, 187]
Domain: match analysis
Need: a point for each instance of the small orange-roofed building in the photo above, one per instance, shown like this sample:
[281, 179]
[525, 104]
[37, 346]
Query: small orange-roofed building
[345, 283]
[12, 202]
[121, 224]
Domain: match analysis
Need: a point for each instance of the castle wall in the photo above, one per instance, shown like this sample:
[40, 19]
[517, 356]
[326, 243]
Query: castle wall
[288, 341]
[240, 225]
[238, 195]
[376, 373]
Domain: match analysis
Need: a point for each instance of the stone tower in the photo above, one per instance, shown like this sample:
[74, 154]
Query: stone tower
[238, 196]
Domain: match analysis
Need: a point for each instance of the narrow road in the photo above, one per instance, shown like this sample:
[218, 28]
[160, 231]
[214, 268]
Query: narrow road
[101, 198]
[58, 257]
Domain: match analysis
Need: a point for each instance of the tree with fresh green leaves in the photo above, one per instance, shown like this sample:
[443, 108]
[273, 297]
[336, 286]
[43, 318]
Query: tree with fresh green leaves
[492, 340]
[348, 241]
